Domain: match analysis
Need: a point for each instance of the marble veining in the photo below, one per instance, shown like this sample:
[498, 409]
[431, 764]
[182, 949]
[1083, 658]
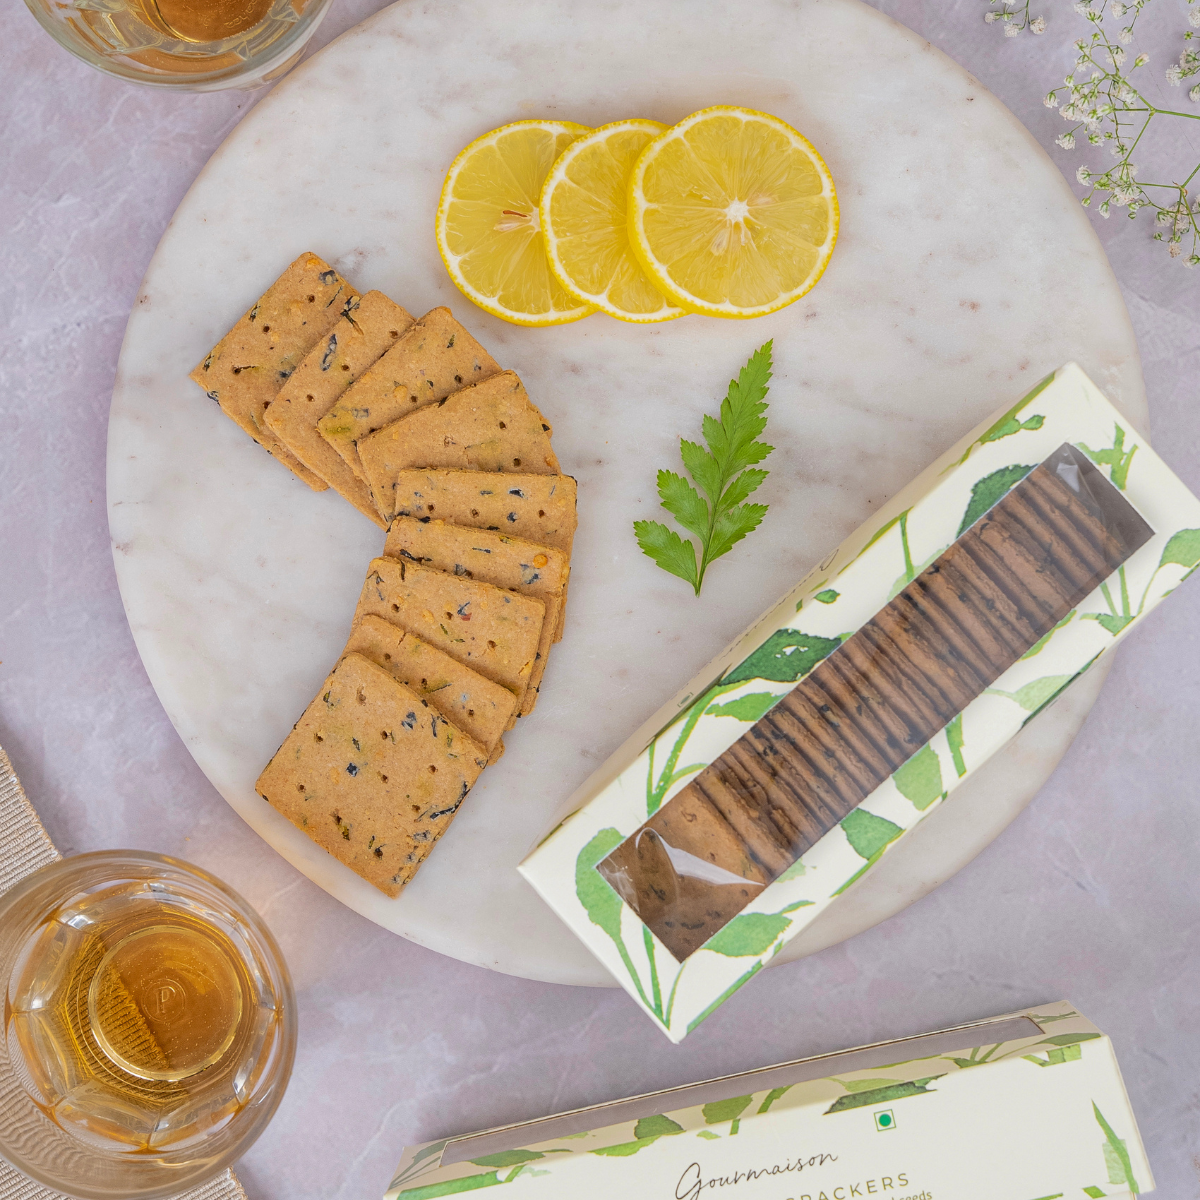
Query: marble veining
[239, 582]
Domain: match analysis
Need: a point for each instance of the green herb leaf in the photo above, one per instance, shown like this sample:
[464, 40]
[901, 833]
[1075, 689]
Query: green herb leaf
[715, 509]
[668, 549]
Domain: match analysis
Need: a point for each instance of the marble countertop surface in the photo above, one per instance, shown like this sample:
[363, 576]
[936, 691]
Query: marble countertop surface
[1090, 895]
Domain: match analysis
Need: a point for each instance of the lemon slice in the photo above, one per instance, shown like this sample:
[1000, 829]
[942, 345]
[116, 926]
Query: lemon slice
[732, 213]
[489, 231]
[583, 209]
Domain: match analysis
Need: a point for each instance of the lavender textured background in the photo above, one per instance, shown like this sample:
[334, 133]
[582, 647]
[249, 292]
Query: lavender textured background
[1091, 895]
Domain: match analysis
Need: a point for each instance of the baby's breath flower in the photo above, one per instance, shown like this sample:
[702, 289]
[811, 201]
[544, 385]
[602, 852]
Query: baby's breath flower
[1038, 24]
[1141, 60]
[1174, 74]
[1012, 29]
[1126, 36]
[1083, 174]
[1050, 100]
[1194, 261]
[1194, 94]
[991, 17]
[1117, 8]
[1174, 249]
[1194, 17]
[1103, 210]
[1066, 141]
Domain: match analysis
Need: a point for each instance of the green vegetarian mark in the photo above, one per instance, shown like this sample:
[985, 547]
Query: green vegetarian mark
[1116, 458]
[727, 1110]
[748, 934]
[1008, 424]
[747, 708]
[989, 491]
[894, 1091]
[920, 779]
[726, 475]
[1116, 1155]
[786, 656]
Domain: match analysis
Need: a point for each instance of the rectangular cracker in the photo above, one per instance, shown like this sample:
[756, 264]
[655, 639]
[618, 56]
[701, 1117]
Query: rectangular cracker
[538, 508]
[369, 328]
[371, 774]
[480, 708]
[436, 357]
[507, 562]
[503, 562]
[244, 371]
[493, 631]
[492, 426]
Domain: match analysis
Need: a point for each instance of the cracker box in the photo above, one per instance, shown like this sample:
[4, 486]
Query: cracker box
[802, 753]
[1028, 1106]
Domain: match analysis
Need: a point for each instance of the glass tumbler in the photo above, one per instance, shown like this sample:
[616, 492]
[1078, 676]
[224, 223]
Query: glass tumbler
[191, 45]
[149, 1025]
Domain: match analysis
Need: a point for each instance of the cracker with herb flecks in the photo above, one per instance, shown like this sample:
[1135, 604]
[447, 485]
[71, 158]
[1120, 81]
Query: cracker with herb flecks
[493, 631]
[436, 357]
[493, 558]
[330, 367]
[492, 426]
[538, 508]
[480, 708]
[371, 774]
[244, 371]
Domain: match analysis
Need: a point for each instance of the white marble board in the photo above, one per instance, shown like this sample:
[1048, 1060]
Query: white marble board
[964, 271]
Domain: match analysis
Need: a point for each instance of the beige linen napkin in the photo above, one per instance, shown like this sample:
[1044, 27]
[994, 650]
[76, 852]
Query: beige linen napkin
[24, 847]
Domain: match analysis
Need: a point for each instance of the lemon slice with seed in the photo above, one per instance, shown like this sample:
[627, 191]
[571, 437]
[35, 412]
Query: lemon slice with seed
[583, 211]
[489, 230]
[732, 213]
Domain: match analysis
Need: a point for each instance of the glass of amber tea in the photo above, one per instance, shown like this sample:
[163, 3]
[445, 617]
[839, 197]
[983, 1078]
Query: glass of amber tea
[149, 1026]
[194, 45]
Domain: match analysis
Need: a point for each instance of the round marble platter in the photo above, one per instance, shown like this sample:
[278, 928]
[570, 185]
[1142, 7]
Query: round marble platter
[965, 270]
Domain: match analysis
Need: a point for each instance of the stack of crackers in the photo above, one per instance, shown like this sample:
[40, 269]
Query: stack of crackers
[416, 425]
[1002, 587]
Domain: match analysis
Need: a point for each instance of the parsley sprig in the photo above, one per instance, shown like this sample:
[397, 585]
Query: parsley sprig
[725, 473]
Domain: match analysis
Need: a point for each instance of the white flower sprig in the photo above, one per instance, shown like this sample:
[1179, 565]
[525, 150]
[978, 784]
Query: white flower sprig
[1015, 19]
[1103, 104]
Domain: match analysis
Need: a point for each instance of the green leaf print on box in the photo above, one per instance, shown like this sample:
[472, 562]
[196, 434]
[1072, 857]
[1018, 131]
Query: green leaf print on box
[1114, 1149]
[747, 934]
[1008, 424]
[1116, 458]
[920, 779]
[508, 1158]
[869, 836]
[747, 708]
[989, 491]
[828, 596]
[602, 905]
[453, 1187]
[1037, 693]
[645, 1133]
[893, 1091]
[729, 1110]
[786, 656]
[1182, 550]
